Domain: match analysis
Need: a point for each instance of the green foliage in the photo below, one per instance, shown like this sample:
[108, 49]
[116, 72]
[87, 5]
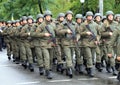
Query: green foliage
[18, 8]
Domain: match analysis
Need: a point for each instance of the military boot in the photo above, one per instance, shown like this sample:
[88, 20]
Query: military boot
[24, 64]
[99, 67]
[48, 74]
[108, 69]
[60, 68]
[41, 70]
[69, 72]
[9, 58]
[117, 65]
[80, 69]
[118, 76]
[31, 67]
[90, 72]
[114, 71]
[17, 60]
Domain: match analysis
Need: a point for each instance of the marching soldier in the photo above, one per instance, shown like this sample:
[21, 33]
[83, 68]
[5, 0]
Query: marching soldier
[90, 38]
[116, 38]
[67, 40]
[97, 19]
[79, 54]
[109, 26]
[45, 32]
[7, 38]
[58, 51]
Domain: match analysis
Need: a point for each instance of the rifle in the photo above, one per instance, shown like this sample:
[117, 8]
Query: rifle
[93, 35]
[52, 36]
[73, 36]
[109, 29]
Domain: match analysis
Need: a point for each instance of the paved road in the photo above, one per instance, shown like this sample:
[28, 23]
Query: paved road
[12, 74]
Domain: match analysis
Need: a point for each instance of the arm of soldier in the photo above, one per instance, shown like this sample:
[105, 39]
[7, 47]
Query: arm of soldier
[83, 32]
[78, 33]
[37, 32]
[104, 33]
[112, 41]
[61, 30]
[23, 32]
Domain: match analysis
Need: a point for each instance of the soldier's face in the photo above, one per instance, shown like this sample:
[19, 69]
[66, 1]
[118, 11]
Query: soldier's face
[89, 18]
[40, 20]
[110, 17]
[69, 17]
[17, 24]
[30, 21]
[24, 21]
[9, 24]
[98, 18]
[118, 19]
[48, 17]
[79, 20]
[61, 18]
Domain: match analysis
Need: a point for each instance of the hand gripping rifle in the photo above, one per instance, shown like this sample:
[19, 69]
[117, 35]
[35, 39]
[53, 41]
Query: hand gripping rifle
[93, 34]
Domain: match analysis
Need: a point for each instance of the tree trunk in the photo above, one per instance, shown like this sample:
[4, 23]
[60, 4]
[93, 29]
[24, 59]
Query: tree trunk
[40, 6]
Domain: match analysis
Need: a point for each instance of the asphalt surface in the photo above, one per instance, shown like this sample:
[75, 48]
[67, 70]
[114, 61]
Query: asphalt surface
[15, 74]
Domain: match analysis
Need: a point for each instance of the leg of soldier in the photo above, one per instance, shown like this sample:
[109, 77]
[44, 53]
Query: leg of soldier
[40, 59]
[118, 76]
[29, 56]
[67, 51]
[53, 56]
[47, 60]
[59, 59]
[88, 55]
[102, 55]
[98, 59]
[79, 61]
[107, 60]
[112, 64]
[14, 50]
[23, 55]
[0, 43]
[8, 50]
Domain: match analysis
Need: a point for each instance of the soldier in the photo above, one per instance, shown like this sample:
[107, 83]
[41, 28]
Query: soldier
[58, 51]
[67, 40]
[7, 39]
[27, 42]
[107, 30]
[36, 43]
[97, 19]
[13, 41]
[44, 32]
[89, 35]
[115, 38]
[21, 42]
[79, 54]
[117, 17]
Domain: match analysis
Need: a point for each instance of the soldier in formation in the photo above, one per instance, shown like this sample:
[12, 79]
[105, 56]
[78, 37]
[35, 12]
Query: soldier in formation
[64, 44]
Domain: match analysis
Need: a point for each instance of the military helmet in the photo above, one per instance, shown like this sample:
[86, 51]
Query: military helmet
[117, 15]
[13, 22]
[61, 15]
[68, 12]
[29, 17]
[89, 13]
[24, 18]
[78, 16]
[9, 22]
[109, 12]
[97, 14]
[40, 16]
[17, 21]
[48, 12]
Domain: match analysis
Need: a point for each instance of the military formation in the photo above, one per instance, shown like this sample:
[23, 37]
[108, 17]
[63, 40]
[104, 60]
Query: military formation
[94, 40]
